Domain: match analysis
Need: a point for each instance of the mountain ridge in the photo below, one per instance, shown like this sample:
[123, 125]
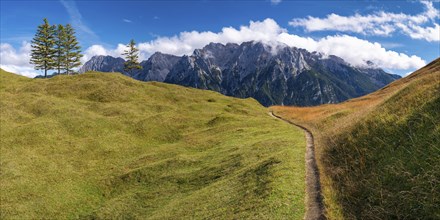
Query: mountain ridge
[272, 74]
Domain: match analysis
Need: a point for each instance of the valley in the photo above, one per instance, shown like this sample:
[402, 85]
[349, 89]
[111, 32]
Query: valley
[266, 110]
[378, 154]
[104, 145]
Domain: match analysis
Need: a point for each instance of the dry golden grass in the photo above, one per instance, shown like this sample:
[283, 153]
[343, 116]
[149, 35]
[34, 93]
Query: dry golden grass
[329, 122]
[334, 117]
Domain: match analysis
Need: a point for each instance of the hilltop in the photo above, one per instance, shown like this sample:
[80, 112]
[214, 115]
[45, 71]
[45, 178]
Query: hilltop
[101, 146]
[379, 153]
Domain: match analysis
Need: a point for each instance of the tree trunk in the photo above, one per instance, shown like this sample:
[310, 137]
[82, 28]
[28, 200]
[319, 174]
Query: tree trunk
[45, 69]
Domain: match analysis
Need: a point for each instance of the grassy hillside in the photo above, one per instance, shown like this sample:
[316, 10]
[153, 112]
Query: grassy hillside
[379, 154]
[105, 146]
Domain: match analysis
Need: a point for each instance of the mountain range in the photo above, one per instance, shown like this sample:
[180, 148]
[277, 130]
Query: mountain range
[272, 74]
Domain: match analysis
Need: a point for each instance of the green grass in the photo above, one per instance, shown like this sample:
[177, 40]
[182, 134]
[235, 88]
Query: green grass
[387, 166]
[379, 155]
[104, 146]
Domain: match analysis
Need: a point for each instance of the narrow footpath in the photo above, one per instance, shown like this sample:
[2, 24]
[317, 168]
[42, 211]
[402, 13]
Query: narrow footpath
[314, 203]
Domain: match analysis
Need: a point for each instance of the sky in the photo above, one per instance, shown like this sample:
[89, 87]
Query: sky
[398, 36]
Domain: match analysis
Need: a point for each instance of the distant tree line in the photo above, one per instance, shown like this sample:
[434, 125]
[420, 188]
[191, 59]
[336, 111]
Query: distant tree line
[55, 47]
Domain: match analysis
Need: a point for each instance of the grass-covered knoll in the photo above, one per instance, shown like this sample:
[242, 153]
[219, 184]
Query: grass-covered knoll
[105, 146]
[379, 154]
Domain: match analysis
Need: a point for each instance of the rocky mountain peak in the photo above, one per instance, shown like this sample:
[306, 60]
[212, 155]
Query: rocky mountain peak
[104, 64]
[272, 73]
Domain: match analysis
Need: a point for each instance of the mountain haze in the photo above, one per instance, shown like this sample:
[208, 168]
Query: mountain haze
[272, 74]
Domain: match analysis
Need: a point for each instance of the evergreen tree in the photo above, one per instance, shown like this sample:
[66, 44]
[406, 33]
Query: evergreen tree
[131, 56]
[60, 40]
[72, 50]
[43, 52]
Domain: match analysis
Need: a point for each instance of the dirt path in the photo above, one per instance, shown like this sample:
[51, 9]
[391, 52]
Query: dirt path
[314, 204]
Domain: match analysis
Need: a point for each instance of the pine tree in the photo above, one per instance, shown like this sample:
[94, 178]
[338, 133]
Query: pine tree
[43, 52]
[72, 50]
[60, 39]
[131, 55]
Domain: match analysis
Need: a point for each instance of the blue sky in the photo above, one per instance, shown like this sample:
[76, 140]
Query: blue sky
[399, 36]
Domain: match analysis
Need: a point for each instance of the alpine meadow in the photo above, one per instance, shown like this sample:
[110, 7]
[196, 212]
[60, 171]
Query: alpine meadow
[260, 109]
[101, 145]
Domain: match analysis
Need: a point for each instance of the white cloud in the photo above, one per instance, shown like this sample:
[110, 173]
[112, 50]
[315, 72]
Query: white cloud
[352, 49]
[420, 26]
[186, 42]
[417, 32]
[24, 71]
[275, 2]
[126, 20]
[96, 50]
[11, 56]
[357, 51]
[297, 41]
[17, 61]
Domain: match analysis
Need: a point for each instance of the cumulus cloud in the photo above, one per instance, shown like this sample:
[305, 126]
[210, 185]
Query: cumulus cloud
[352, 49]
[20, 70]
[17, 61]
[420, 26]
[417, 32]
[357, 52]
[96, 50]
[11, 56]
[186, 42]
